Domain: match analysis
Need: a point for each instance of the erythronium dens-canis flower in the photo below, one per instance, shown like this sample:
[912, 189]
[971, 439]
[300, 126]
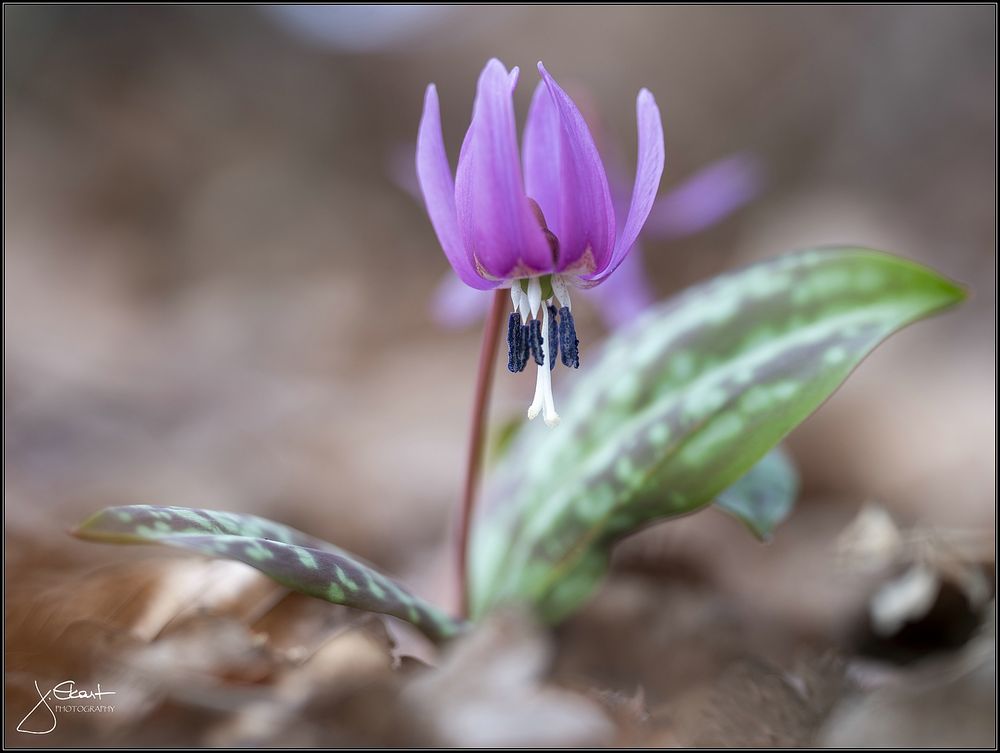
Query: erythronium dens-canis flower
[538, 220]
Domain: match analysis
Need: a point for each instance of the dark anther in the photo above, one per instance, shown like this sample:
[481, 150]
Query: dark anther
[568, 343]
[536, 341]
[514, 343]
[553, 337]
[522, 348]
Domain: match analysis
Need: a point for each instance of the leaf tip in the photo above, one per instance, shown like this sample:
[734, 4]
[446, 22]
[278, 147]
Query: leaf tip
[952, 291]
[84, 530]
[959, 292]
[764, 537]
[100, 527]
[763, 534]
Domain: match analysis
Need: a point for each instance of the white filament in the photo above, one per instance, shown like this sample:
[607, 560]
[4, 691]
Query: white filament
[516, 294]
[534, 295]
[543, 402]
[525, 311]
[561, 290]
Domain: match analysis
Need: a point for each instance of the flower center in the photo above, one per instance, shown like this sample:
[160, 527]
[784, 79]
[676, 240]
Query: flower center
[535, 323]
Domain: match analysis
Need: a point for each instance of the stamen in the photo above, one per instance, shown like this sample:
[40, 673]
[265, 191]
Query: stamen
[524, 310]
[514, 336]
[516, 294]
[543, 402]
[536, 341]
[553, 334]
[534, 295]
[568, 343]
[561, 290]
[522, 348]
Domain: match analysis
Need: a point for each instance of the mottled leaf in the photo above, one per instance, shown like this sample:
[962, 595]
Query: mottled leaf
[292, 558]
[763, 497]
[679, 406]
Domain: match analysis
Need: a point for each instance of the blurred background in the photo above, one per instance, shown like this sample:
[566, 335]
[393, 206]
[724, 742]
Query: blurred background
[219, 293]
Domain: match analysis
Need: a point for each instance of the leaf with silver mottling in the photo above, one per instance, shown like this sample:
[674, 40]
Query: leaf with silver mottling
[678, 407]
[294, 559]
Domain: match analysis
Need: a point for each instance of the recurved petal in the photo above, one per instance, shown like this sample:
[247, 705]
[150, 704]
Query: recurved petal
[438, 188]
[496, 222]
[649, 169]
[707, 197]
[456, 306]
[584, 221]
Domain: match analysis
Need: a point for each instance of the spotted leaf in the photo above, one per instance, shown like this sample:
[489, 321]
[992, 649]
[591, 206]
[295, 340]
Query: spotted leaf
[763, 497]
[292, 558]
[678, 407]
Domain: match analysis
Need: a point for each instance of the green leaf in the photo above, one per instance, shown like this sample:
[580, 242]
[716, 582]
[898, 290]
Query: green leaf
[764, 496]
[292, 558]
[678, 407]
[502, 435]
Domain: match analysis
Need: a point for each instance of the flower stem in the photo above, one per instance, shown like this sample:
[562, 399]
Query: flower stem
[477, 436]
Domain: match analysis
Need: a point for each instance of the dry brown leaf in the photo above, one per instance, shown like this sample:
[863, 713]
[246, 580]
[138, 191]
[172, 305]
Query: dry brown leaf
[489, 691]
[945, 702]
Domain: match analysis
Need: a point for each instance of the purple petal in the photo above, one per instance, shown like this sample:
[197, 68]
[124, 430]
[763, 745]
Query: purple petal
[456, 306]
[707, 197]
[649, 168]
[495, 218]
[585, 220]
[623, 296]
[438, 188]
[541, 156]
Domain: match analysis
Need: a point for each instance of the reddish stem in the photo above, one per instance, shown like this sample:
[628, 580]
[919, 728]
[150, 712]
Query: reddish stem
[477, 436]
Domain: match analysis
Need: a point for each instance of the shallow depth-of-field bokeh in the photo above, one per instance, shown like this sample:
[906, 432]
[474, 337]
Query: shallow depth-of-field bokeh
[217, 294]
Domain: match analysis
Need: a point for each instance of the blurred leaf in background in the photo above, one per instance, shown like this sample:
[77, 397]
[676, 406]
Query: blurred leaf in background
[764, 497]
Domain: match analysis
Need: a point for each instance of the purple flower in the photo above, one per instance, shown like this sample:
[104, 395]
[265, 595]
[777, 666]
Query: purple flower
[700, 201]
[711, 194]
[705, 198]
[539, 231]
